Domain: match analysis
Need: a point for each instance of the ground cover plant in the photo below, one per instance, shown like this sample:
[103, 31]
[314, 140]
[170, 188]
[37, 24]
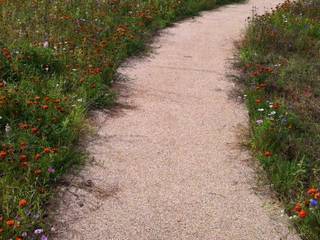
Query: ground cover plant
[57, 61]
[280, 62]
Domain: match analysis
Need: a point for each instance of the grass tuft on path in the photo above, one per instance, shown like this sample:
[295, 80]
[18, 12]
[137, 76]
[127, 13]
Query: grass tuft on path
[280, 61]
[57, 61]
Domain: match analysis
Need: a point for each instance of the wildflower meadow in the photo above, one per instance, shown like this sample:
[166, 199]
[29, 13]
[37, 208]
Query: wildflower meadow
[279, 58]
[57, 61]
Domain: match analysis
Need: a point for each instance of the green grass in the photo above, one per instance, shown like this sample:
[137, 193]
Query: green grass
[280, 61]
[57, 61]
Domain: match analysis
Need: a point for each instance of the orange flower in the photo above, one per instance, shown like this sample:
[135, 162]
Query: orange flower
[45, 107]
[47, 99]
[258, 101]
[23, 203]
[303, 214]
[37, 156]
[23, 126]
[3, 155]
[312, 191]
[34, 130]
[297, 208]
[317, 196]
[37, 172]
[23, 158]
[23, 146]
[19, 238]
[10, 223]
[276, 105]
[47, 150]
[268, 154]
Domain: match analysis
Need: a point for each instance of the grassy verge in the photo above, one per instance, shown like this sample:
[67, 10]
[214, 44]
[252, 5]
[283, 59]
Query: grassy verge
[57, 61]
[280, 61]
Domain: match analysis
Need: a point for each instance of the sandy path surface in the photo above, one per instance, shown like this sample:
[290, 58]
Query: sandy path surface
[167, 165]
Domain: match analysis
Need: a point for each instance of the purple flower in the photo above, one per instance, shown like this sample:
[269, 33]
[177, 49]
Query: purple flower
[313, 203]
[38, 231]
[44, 237]
[51, 170]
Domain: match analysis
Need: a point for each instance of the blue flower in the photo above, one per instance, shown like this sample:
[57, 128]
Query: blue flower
[313, 203]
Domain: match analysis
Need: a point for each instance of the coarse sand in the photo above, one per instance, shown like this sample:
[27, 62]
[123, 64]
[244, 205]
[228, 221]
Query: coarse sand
[167, 164]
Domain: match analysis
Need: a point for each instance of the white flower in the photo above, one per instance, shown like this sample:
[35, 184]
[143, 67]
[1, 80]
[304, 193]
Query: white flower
[259, 122]
[46, 44]
[80, 100]
[260, 109]
[272, 113]
[7, 128]
[0, 117]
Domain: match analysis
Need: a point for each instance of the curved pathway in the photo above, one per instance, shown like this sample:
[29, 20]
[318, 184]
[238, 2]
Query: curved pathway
[167, 165]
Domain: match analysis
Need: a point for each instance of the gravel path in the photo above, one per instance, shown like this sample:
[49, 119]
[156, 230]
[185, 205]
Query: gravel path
[167, 165]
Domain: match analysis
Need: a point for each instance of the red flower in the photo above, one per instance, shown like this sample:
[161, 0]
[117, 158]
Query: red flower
[23, 203]
[34, 130]
[297, 208]
[268, 154]
[47, 150]
[303, 214]
[10, 223]
[258, 101]
[312, 191]
[37, 156]
[23, 158]
[45, 107]
[3, 155]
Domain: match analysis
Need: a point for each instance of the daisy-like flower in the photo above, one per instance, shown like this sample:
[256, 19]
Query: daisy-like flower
[260, 109]
[38, 231]
[259, 121]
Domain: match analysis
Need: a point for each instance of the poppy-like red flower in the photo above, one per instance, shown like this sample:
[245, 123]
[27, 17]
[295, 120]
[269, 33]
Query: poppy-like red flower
[6, 53]
[23, 126]
[276, 106]
[23, 146]
[45, 107]
[37, 156]
[312, 191]
[268, 154]
[3, 155]
[47, 150]
[297, 208]
[23, 203]
[34, 130]
[303, 214]
[258, 101]
[23, 158]
[10, 223]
